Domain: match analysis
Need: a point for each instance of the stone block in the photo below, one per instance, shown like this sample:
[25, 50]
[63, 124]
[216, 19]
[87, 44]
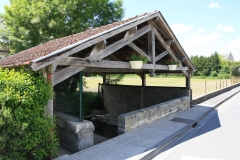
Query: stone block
[164, 108]
[75, 136]
[174, 105]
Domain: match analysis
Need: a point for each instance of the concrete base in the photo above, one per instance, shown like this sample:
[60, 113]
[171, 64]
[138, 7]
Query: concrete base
[73, 135]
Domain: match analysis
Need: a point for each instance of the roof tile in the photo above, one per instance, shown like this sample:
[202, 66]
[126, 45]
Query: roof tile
[27, 56]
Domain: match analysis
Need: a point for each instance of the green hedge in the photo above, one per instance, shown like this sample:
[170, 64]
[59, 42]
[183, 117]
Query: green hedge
[25, 132]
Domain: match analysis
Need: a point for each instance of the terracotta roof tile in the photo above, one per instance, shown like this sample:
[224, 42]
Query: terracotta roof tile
[27, 56]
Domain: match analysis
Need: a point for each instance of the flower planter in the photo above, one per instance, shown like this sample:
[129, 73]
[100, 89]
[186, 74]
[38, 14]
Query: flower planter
[136, 64]
[172, 67]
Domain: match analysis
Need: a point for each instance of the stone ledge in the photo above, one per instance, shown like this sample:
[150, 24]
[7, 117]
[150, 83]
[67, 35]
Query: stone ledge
[131, 120]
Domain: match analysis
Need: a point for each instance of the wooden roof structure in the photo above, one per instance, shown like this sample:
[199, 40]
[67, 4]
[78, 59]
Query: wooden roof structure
[106, 50]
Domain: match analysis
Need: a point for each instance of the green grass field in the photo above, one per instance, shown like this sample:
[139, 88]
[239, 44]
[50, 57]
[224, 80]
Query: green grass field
[197, 85]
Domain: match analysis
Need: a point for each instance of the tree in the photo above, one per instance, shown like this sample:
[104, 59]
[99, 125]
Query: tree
[33, 22]
[4, 34]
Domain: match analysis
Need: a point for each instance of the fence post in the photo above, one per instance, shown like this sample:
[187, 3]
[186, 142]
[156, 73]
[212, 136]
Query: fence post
[216, 84]
[220, 83]
[205, 87]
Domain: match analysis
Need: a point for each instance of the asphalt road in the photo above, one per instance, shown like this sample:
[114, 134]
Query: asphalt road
[216, 137]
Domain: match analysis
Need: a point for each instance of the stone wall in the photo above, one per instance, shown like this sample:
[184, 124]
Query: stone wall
[207, 96]
[119, 99]
[131, 120]
[73, 135]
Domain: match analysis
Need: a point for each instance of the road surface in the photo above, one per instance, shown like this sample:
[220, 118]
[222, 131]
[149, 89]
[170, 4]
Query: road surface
[216, 137]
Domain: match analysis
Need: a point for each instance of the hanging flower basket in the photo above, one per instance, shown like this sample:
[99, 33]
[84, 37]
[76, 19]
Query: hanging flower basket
[172, 67]
[136, 64]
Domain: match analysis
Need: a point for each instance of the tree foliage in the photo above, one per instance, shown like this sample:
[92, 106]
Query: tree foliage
[25, 132]
[33, 22]
[216, 66]
[4, 34]
[205, 65]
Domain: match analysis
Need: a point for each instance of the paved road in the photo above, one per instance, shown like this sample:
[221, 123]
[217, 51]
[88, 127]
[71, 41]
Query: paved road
[217, 137]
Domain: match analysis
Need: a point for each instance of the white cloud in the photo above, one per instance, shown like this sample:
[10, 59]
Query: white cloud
[197, 39]
[180, 28]
[223, 28]
[213, 5]
[235, 44]
[201, 30]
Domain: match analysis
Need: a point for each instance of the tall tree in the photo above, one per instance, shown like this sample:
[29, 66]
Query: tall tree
[4, 34]
[33, 22]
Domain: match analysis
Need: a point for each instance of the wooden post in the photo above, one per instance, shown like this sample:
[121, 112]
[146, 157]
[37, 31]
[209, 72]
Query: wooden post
[143, 77]
[226, 82]
[48, 74]
[80, 96]
[188, 80]
[151, 46]
[48, 109]
[220, 83]
[104, 78]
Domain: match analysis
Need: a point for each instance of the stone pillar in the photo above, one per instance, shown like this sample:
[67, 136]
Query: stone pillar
[73, 135]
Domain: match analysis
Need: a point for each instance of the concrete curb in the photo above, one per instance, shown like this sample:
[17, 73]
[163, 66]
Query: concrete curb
[180, 133]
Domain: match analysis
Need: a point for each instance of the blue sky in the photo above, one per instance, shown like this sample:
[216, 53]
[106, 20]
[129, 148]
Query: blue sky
[202, 27]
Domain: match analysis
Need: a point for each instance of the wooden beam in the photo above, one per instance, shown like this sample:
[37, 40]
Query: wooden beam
[38, 65]
[160, 56]
[138, 50]
[151, 46]
[166, 46]
[160, 29]
[98, 47]
[65, 73]
[130, 31]
[119, 44]
[169, 42]
[81, 62]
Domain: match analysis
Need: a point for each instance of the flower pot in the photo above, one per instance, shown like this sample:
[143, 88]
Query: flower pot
[136, 64]
[172, 67]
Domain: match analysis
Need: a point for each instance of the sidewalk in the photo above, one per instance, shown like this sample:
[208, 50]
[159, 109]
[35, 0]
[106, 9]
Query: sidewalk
[147, 141]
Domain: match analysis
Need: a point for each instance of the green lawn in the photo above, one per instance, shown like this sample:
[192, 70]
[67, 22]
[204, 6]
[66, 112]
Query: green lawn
[197, 85]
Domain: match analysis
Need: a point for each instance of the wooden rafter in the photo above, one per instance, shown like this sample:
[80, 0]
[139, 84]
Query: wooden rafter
[160, 56]
[119, 44]
[166, 46]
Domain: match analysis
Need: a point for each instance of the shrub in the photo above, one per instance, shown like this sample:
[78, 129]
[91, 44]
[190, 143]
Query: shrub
[25, 132]
[214, 74]
[224, 76]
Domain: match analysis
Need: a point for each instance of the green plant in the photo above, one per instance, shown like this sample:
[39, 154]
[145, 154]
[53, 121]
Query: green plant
[137, 57]
[25, 132]
[214, 74]
[170, 61]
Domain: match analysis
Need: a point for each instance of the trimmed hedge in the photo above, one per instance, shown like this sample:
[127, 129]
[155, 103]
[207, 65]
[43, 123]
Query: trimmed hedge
[25, 132]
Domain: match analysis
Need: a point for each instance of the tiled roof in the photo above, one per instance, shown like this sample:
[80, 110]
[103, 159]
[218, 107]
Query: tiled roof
[27, 56]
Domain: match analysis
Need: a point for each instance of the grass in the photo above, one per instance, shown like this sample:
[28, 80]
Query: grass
[197, 85]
